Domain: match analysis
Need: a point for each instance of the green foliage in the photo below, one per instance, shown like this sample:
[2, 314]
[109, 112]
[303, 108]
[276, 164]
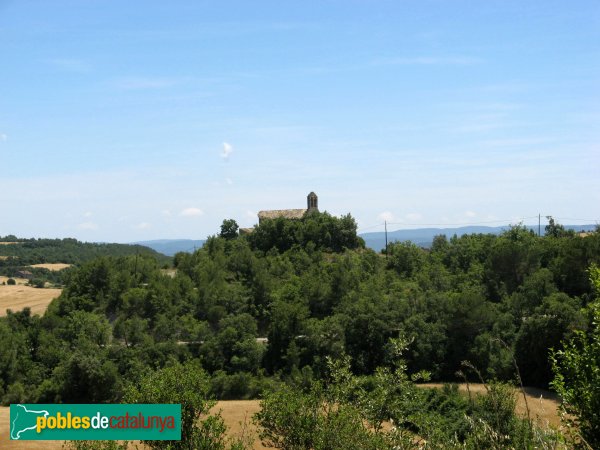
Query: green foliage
[275, 305]
[229, 229]
[577, 377]
[318, 231]
[188, 385]
[387, 411]
[333, 415]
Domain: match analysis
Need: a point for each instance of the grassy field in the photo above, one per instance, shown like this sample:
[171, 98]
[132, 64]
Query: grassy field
[19, 296]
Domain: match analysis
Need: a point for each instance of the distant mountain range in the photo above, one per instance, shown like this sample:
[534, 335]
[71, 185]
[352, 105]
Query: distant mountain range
[422, 237]
[171, 246]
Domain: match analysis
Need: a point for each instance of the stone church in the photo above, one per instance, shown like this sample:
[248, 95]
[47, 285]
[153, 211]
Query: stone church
[312, 204]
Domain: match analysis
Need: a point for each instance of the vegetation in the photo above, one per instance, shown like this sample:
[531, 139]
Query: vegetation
[387, 411]
[301, 312]
[577, 370]
[22, 253]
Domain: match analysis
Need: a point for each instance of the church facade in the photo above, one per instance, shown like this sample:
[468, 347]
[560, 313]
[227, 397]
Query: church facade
[312, 204]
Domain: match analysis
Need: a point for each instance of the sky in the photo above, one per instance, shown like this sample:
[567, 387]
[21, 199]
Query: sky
[129, 121]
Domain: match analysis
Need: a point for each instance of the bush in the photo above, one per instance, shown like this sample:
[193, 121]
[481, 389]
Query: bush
[11, 282]
[188, 385]
[37, 283]
[15, 393]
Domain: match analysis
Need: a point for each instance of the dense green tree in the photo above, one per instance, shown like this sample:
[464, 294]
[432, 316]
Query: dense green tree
[229, 229]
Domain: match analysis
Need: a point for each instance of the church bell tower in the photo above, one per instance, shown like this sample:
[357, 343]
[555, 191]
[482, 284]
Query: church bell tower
[312, 202]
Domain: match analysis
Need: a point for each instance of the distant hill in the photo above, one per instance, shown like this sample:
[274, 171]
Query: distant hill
[423, 237]
[18, 253]
[171, 246]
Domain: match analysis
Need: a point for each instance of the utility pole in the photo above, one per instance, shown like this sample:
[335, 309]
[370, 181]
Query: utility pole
[539, 225]
[386, 244]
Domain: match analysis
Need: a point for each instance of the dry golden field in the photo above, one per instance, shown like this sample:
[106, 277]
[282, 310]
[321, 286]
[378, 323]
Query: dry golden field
[54, 267]
[19, 296]
[237, 415]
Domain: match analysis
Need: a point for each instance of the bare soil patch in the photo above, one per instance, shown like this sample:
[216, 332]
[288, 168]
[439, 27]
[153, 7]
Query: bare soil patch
[19, 296]
[9, 243]
[54, 267]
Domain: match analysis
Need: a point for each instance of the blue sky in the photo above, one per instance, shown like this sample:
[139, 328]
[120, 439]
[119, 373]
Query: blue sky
[125, 121]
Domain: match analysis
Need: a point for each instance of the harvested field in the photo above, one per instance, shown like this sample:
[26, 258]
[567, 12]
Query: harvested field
[237, 415]
[54, 267]
[19, 296]
[9, 243]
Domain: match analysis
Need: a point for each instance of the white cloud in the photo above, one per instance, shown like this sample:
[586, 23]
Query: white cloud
[88, 214]
[414, 216]
[227, 150]
[3, 137]
[386, 216]
[142, 226]
[470, 214]
[166, 213]
[229, 181]
[87, 226]
[191, 212]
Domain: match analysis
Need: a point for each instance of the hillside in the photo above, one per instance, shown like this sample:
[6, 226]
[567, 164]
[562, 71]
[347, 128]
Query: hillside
[275, 313]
